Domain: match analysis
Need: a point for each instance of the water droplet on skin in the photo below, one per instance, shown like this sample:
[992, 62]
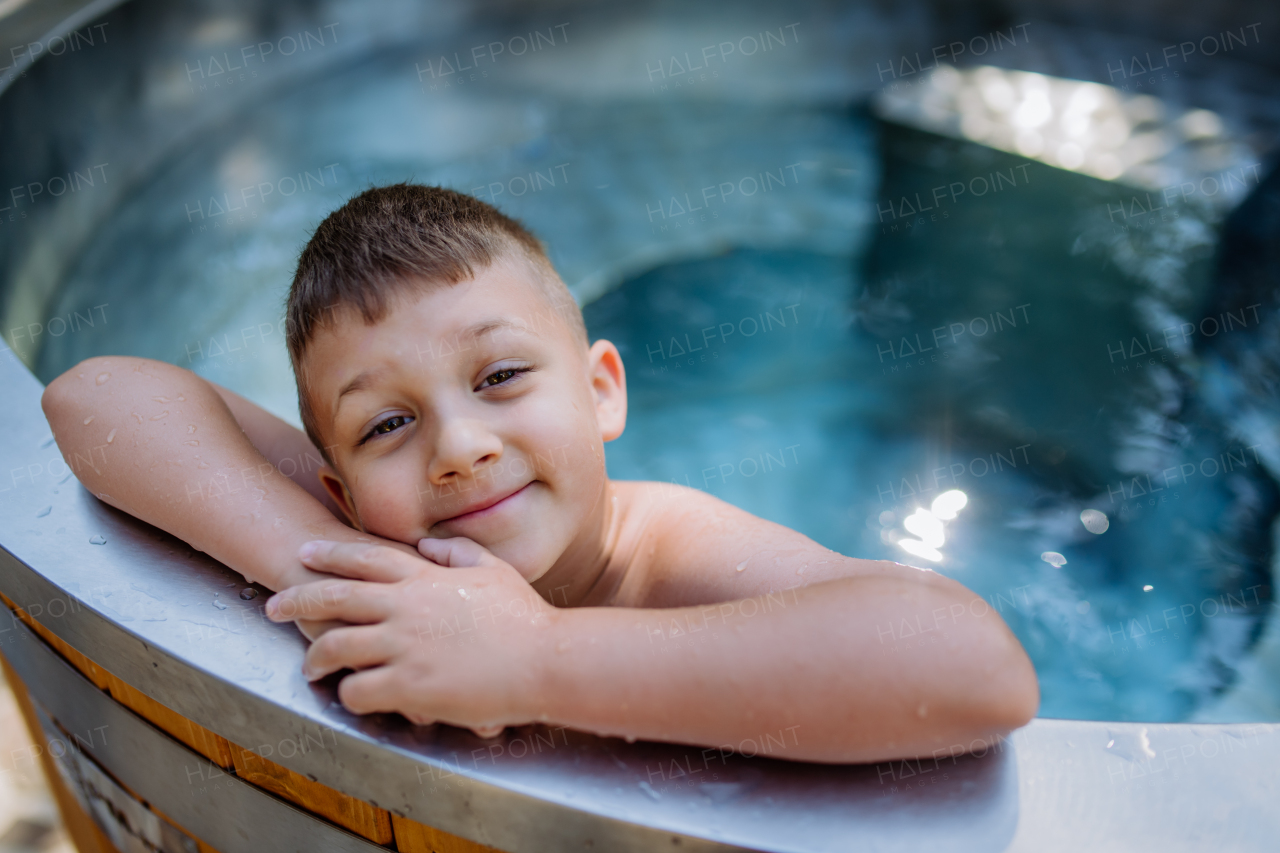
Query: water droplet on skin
[160, 416]
[192, 443]
[249, 594]
[103, 377]
[136, 415]
[111, 436]
[42, 513]
[203, 465]
[742, 566]
[463, 593]
[630, 739]
[181, 399]
[96, 539]
[161, 399]
[89, 420]
[191, 428]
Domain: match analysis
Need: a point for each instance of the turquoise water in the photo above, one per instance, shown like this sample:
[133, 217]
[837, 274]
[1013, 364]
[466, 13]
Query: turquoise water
[783, 347]
[802, 425]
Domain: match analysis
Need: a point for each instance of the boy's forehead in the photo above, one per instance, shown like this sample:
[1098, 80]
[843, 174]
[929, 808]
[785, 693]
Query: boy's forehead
[499, 296]
[424, 321]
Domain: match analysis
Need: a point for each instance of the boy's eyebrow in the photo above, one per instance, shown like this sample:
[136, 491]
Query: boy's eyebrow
[484, 327]
[357, 384]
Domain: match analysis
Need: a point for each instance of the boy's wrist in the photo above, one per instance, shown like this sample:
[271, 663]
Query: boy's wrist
[550, 658]
[289, 571]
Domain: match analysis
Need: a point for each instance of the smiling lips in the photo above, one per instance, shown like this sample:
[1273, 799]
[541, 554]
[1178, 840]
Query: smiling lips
[487, 506]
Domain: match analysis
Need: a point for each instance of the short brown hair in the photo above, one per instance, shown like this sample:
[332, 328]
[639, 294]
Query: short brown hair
[397, 238]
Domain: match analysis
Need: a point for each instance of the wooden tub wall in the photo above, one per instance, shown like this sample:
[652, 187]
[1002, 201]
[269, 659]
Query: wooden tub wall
[363, 819]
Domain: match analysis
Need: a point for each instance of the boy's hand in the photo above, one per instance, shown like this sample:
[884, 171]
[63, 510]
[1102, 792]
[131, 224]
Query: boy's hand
[457, 637]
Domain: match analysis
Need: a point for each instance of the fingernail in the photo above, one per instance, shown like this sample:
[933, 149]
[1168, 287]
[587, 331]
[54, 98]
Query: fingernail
[308, 550]
[273, 606]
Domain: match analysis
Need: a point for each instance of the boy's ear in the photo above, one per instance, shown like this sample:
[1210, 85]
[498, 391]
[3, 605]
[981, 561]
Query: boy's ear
[338, 491]
[609, 386]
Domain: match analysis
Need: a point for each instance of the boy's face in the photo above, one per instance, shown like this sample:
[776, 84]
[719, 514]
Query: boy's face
[470, 410]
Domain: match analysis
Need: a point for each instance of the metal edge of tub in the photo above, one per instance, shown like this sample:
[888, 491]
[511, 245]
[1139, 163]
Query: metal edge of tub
[39, 23]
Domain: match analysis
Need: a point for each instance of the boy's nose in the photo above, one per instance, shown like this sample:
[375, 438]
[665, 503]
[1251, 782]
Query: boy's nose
[463, 448]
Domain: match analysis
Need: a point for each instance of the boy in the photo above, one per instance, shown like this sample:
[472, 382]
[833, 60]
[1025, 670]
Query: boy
[492, 574]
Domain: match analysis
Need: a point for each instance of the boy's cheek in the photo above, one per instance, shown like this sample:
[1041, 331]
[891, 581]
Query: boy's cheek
[394, 511]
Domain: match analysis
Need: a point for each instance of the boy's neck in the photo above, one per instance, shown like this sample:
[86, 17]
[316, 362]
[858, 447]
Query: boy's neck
[590, 571]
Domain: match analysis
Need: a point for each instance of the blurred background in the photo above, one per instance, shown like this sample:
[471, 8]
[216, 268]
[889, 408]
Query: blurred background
[986, 287]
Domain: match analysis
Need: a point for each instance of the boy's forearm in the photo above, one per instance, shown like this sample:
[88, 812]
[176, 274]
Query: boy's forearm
[283, 445]
[159, 443]
[818, 673]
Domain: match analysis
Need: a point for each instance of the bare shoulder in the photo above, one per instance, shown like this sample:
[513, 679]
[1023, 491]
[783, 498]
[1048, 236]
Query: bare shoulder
[703, 550]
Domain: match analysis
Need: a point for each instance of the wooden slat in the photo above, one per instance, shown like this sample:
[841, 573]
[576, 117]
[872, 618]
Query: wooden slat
[84, 832]
[51, 771]
[364, 819]
[356, 815]
[414, 837]
[200, 845]
[87, 668]
[211, 746]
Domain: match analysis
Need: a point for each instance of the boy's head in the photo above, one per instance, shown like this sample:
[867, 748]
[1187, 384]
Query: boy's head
[442, 365]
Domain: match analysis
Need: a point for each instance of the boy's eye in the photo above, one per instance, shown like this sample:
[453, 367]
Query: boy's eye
[500, 376]
[387, 426]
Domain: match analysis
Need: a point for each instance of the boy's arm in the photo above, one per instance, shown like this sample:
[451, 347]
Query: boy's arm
[873, 662]
[161, 444]
[284, 445]
[858, 669]
[891, 661]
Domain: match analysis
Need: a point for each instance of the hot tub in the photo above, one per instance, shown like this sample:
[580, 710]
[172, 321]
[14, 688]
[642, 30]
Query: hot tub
[811, 331]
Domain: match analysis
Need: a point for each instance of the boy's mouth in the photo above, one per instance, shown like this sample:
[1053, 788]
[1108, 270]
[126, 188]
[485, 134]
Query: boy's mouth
[487, 506]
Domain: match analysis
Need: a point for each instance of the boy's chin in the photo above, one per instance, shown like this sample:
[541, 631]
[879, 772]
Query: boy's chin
[532, 574]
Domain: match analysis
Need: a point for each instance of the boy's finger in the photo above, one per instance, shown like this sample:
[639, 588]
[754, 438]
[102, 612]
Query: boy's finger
[350, 601]
[372, 690]
[315, 630]
[358, 560]
[458, 552]
[348, 648]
